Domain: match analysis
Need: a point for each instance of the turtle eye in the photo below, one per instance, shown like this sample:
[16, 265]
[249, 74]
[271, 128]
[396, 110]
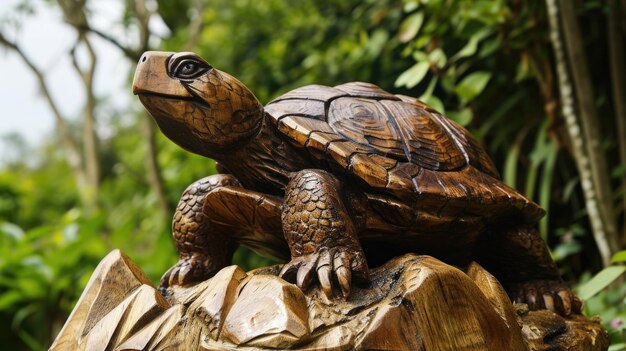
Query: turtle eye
[189, 69]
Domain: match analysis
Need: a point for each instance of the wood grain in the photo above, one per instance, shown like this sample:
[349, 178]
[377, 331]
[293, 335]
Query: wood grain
[402, 178]
[412, 303]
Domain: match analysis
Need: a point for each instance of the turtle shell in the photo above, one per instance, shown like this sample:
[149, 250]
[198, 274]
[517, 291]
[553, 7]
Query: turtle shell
[397, 145]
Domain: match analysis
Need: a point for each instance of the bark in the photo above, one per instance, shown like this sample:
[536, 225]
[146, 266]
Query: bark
[617, 58]
[74, 14]
[143, 17]
[583, 130]
[89, 135]
[154, 177]
[195, 27]
[133, 55]
[589, 118]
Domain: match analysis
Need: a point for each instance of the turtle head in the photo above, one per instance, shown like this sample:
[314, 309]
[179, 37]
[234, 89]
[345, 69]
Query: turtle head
[200, 108]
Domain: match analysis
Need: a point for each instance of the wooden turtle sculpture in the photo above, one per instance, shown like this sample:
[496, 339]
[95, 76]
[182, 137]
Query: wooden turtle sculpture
[341, 178]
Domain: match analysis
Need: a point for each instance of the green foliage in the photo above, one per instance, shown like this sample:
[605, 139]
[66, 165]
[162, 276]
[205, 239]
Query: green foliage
[606, 298]
[450, 65]
[275, 45]
[40, 271]
[600, 281]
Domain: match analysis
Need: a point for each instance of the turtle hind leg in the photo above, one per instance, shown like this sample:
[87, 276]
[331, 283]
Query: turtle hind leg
[520, 260]
[320, 234]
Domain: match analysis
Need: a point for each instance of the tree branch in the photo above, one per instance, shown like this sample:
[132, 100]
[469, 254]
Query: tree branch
[195, 27]
[143, 16]
[71, 149]
[128, 52]
[155, 180]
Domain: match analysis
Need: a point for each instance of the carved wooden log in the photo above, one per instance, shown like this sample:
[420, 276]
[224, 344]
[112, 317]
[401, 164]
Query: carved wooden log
[412, 303]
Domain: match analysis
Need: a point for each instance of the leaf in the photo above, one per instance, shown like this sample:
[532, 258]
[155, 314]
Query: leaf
[411, 5]
[419, 56]
[448, 79]
[413, 76]
[569, 188]
[619, 257]
[9, 299]
[510, 163]
[472, 45]
[617, 347]
[489, 47]
[472, 85]
[410, 26]
[429, 90]
[566, 249]
[462, 117]
[438, 57]
[12, 230]
[619, 171]
[377, 42]
[545, 186]
[600, 281]
[435, 103]
[29, 340]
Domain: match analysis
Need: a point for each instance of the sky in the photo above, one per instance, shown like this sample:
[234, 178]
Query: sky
[45, 39]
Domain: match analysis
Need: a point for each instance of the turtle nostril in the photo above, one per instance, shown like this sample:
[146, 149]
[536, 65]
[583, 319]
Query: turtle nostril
[143, 59]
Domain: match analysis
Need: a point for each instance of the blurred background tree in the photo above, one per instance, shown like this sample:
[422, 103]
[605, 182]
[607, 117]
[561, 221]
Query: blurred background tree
[540, 84]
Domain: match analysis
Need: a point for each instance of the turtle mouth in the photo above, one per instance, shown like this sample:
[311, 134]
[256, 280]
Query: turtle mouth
[194, 99]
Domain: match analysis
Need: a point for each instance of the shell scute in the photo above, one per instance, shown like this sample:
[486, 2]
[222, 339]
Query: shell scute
[368, 90]
[312, 109]
[476, 155]
[399, 146]
[342, 151]
[319, 141]
[365, 122]
[372, 173]
[383, 161]
[426, 142]
[310, 92]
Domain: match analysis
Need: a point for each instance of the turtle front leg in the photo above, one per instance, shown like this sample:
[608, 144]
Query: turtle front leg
[203, 246]
[320, 234]
[520, 260]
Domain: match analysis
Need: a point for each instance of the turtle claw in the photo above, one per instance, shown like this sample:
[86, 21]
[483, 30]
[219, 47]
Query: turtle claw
[343, 277]
[337, 264]
[305, 274]
[552, 295]
[186, 271]
[324, 276]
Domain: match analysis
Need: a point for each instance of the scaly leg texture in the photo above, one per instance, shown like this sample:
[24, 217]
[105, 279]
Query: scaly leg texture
[520, 259]
[320, 234]
[204, 247]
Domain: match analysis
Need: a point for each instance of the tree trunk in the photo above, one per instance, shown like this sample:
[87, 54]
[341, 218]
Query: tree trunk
[615, 29]
[89, 136]
[583, 132]
[72, 151]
